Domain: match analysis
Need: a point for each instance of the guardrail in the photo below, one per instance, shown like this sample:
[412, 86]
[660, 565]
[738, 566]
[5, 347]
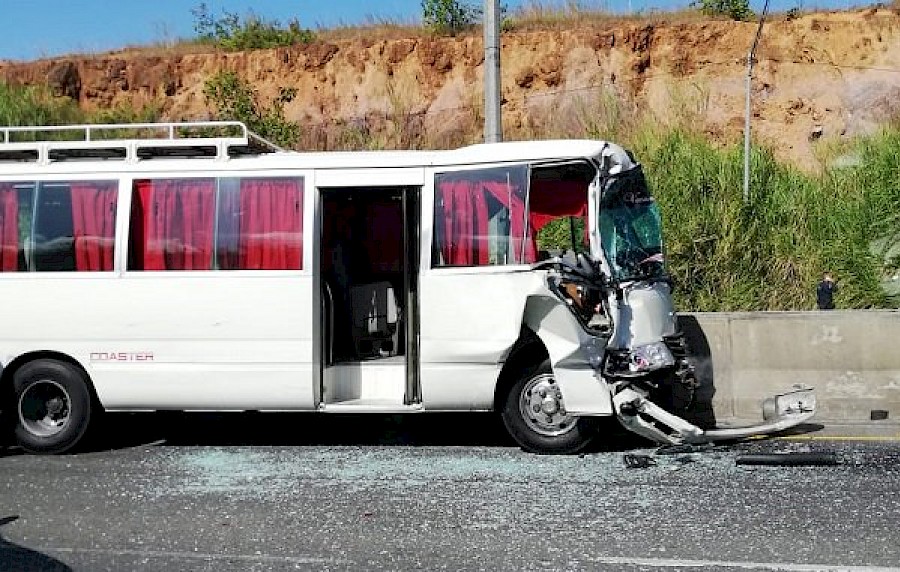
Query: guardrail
[851, 357]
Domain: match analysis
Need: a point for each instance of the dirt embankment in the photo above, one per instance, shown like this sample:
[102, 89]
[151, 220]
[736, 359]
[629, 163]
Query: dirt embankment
[820, 77]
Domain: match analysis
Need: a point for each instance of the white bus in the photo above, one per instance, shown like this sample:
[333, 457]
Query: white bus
[195, 266]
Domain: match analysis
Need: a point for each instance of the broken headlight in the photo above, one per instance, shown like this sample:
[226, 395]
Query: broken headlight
[650, 357]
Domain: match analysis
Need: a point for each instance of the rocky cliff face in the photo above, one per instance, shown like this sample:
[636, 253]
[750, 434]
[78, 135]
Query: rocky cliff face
[819, 77]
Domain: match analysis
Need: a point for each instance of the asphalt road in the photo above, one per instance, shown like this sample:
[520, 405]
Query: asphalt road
[437, 492]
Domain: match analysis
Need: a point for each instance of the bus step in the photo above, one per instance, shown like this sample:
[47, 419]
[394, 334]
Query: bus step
[369, 406]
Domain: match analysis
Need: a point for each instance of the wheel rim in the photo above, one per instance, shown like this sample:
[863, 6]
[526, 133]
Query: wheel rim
[44, 408]
[542, 408]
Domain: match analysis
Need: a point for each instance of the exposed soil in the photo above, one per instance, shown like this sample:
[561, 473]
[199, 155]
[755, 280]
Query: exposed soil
[820, 77]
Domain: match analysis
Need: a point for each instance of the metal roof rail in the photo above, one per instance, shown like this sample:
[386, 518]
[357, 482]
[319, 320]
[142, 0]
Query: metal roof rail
[131, 141]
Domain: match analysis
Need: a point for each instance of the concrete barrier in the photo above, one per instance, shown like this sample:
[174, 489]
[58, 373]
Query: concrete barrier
[852, 358]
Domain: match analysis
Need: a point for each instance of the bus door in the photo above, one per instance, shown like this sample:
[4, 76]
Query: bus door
[368, 267]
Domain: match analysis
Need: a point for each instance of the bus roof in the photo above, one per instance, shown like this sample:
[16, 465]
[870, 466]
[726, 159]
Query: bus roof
[506, 152]
[236, 148]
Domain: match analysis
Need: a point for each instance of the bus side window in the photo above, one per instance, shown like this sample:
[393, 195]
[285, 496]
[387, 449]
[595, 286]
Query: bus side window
[247, 223]
[54, 233]
[58, 226]
[16, 206]
[479, 218]
[172, 224]
[260, 224]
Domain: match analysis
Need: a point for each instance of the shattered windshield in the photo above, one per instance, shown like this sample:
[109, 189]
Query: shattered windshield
[630, 231]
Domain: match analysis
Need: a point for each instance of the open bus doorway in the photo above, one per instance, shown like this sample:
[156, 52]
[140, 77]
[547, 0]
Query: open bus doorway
[369, 250]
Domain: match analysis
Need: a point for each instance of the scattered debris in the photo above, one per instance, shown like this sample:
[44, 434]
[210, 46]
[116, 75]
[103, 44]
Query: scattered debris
[808, 459]
[878, 414]
[684, 448]
[638, 461]
[682, 462]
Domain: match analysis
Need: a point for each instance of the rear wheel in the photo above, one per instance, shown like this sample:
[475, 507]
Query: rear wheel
[535, 415]
[52, 405]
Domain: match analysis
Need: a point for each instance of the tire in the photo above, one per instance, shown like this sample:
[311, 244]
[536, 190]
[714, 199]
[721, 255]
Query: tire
[550, 430]
[52, 406]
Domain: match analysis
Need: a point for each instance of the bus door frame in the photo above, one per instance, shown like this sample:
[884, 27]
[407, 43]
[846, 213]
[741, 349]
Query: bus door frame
[409, 180]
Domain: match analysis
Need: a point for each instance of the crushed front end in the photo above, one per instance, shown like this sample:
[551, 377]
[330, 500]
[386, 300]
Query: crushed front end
[647, 363]
[609, 325]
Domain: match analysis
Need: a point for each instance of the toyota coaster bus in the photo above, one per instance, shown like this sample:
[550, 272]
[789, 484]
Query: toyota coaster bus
[196, 266]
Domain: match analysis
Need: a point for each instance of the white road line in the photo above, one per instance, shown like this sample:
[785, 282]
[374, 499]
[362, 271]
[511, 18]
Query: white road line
[192, 555]
[777, 566]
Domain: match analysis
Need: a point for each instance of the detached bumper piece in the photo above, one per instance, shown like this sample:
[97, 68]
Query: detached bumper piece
[810, 459]
[640, 415]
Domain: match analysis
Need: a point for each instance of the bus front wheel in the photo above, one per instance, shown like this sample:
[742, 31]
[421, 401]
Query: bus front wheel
[534, 413]
[52, 404]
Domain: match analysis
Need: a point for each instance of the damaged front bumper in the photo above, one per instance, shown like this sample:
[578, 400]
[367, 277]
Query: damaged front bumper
[640, 415]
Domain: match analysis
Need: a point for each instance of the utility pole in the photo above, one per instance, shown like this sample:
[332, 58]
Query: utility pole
[493, 132]
[750, 58]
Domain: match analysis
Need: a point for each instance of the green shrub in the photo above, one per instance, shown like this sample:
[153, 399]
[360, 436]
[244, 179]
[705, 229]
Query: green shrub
[124, 113]
[448, 16]
[734, 9]
[30, 105]
[560, 234]
[235, 99]
[232, 33]
[36, 106]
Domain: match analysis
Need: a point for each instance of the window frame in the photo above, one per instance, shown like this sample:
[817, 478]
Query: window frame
[306, 178]
[432, 176]
[37, 183]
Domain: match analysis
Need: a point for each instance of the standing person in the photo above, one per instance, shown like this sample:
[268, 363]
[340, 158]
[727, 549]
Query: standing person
[825, 292]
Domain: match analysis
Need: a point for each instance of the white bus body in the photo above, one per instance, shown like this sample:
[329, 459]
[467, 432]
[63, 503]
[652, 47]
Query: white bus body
[199, 292]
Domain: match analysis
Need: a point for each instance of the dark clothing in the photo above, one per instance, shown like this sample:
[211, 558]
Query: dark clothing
[825, 294]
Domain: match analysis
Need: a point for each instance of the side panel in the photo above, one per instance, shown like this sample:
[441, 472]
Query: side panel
[198, 339]
[471, 317]
[206, 340]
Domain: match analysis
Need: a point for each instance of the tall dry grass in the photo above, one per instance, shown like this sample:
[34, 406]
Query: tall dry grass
[767, 253]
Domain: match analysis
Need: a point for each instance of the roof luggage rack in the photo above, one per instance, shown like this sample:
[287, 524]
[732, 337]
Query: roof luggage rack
[131, 141]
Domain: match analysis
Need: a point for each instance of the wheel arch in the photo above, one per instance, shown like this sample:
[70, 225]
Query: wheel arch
[9, 371]
[528, 350]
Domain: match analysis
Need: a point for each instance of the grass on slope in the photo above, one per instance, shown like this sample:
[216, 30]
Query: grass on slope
[766, 254]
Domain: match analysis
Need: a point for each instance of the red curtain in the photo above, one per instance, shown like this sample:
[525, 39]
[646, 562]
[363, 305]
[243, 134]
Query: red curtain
[466, 237]
[9, 228]
[465, 223]
[509, 197]
[271, 224]
[553, 199]
[463, 216]
[177, 229]
[94, 224]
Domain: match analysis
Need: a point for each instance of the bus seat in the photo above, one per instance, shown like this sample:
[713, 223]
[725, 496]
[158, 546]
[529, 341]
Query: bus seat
[374, 312]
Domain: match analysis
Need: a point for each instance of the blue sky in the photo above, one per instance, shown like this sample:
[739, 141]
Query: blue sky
[31, 29]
